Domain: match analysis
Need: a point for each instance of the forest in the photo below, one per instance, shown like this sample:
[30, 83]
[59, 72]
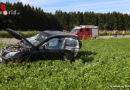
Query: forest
[34, 18]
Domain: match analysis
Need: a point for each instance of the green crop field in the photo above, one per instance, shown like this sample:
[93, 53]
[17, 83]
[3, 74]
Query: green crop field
[100, 65]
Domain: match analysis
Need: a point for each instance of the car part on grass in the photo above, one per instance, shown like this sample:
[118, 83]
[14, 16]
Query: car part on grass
[45, 45]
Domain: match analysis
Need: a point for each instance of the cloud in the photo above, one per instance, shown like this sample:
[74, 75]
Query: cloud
[43, 2]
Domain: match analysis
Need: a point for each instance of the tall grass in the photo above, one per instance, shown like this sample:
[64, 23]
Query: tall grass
[5, 34]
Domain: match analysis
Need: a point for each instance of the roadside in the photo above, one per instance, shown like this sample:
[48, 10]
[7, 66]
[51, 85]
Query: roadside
[8, 40]
[119, 36]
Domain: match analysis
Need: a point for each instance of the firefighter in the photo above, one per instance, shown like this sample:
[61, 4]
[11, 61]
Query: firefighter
[123, 33]
[115, 33]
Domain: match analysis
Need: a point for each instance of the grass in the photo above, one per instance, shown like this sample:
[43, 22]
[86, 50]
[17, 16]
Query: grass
[99, 65]
[105, 32]
[5, 34]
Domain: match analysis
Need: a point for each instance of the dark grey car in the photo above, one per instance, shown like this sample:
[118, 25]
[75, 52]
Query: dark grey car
[45, 45]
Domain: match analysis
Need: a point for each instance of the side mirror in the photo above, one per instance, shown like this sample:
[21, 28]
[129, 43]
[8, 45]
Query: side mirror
[43, 46]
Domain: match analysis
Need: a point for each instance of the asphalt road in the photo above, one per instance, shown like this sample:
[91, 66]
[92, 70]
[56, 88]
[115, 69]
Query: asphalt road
[14, 41]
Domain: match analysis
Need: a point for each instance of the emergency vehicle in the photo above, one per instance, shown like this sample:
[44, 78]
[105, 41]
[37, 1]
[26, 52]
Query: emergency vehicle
[86, 31]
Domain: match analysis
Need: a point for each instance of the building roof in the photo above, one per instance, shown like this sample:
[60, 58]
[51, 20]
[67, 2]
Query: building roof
[85, 26]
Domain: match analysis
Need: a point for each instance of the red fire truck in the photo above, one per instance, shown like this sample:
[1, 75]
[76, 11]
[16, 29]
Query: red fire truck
[86, 31]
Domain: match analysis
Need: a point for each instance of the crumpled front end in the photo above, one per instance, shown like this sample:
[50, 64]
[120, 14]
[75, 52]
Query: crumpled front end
[10, 53]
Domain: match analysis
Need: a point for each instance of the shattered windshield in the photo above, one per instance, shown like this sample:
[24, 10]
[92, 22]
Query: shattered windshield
[37, 39]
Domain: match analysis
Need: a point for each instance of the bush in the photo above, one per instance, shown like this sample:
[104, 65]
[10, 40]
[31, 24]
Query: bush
[5, 34]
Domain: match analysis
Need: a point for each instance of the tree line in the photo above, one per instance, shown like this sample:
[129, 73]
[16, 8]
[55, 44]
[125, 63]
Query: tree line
[33, 18]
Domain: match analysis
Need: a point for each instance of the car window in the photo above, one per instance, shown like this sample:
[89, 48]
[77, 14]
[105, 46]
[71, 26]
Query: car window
[55, 43]
[71, 42]
[37, 39]
[87, 31]
[80, 31]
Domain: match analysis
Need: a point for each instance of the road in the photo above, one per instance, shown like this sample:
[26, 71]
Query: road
[119, 36]
[14, 41]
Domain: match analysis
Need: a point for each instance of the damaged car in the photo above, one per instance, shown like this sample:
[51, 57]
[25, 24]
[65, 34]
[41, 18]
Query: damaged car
[47, 45]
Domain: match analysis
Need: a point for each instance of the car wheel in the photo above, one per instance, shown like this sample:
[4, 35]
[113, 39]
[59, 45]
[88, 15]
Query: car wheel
[4, 62]
[68, 56]
[23, 59]
[27, 59]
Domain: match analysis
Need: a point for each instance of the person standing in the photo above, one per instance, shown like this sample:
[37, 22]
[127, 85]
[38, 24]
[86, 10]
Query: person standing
[115, 32]
[123, 33]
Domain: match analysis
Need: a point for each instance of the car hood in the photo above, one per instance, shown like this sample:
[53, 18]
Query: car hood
[18, 36]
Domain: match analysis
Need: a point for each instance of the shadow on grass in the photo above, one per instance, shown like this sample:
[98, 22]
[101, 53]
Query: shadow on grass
[86, 56]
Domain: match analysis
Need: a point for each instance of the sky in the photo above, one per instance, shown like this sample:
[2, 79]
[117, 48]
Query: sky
[98, 6]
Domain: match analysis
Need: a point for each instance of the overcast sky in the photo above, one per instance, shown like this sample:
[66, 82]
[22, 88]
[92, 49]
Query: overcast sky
[102, 6]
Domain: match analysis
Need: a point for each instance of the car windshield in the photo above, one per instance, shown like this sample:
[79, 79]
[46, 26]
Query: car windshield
[37, 39]
[74, 30]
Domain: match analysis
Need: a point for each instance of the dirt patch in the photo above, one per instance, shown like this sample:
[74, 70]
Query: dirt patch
[8, 40]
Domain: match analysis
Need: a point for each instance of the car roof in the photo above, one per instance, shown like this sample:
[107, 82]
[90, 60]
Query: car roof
[56, 33]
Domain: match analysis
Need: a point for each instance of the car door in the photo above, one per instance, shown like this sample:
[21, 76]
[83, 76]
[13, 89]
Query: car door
[87, 33]
[80, 34]
[53, 49]
[72, 45]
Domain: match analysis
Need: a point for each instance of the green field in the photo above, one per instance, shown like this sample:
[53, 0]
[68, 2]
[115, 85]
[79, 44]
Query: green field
[5, 34]
[100, 64]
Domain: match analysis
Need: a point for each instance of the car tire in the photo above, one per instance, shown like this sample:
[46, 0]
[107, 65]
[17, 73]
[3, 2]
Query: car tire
[4, 62]
[27, 59]
[19, 60]
[68, 56]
